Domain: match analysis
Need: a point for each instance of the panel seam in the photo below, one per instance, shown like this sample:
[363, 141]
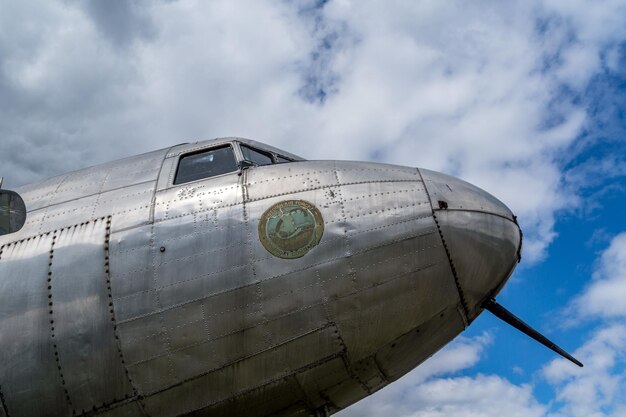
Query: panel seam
[51, 313]
[457, 282]
[107, 272]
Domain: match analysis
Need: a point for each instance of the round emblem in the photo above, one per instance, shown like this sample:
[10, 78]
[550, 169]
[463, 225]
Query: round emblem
[290, 229]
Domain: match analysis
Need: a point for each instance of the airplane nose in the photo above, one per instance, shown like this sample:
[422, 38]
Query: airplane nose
[480, 234]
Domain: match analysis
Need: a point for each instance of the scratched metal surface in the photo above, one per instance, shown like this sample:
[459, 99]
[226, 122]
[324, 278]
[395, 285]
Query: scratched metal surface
[204, 320]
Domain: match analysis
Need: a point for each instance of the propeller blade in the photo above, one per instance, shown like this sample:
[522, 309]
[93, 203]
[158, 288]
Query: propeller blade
[505, 315]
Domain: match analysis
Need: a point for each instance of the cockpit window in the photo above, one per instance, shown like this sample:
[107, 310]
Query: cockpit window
[209, 163]
[282, 160]
[257, 157]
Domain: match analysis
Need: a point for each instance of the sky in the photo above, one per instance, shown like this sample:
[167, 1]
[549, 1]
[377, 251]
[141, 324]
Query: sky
[524, 99]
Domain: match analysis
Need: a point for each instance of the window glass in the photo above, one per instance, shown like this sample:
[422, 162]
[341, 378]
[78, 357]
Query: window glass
[258, 157]
[12, 212]
[205, 164]
[282, 160]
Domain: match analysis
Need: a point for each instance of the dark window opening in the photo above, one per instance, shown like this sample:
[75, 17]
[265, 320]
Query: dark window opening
[255, 156]
[282, 159]
[260, 157]
[205, 164]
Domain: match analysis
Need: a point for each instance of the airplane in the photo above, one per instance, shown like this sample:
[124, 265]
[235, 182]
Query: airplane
[231, 278]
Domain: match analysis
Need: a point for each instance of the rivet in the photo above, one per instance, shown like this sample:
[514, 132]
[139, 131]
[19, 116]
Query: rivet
[162, 249]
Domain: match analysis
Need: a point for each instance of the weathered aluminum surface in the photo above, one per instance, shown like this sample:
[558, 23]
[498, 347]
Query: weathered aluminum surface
[481, 236]
[89, 357]
[165, 302]
[30, 380]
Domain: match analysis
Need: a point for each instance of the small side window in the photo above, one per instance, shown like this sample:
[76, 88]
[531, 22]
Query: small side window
[282, 159]
[205, 164]
[257, 157]
[12, 212]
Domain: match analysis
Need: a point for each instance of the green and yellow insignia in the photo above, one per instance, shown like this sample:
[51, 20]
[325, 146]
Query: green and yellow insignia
[291, 228]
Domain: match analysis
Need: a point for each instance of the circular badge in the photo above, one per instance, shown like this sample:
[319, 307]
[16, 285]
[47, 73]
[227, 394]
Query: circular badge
[290, 229]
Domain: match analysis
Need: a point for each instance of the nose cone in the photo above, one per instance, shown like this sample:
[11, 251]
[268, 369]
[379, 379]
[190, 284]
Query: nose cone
[480, 234]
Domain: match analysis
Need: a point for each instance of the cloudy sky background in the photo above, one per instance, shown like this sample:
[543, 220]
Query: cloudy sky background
[525, 99]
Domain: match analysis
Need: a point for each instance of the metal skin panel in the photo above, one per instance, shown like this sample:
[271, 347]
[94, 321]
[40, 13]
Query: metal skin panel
[380, 218]
[132, 276]
[167, 303]
[94, 180]
[483, 260]
[92, 193]
[280, 398]
[89, 357]
[37, 195]
[29, 378]
[480, 234]
[259, 370]
[130, 206]
[198, 228]
[460, 195]
[406, 352]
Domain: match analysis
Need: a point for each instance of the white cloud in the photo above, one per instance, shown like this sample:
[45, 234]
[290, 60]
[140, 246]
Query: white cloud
[457, 87]
[606, 294]
[431, 391]
[398, 398]
[480, 396]
[598, 389]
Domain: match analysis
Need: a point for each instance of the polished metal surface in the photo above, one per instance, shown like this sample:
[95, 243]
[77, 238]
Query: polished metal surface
[126, 295]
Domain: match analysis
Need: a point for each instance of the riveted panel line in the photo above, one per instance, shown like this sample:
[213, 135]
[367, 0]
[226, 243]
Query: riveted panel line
[270, 381]
[166, 336]
[217, 272]
[65, 177]
[353, 274]
[342, 205]
[51, 313]
[60, 203]
[457, 282]
[107, 272]
[265, 321]
[346, 361]
[290, 192]
[99, 194]
[163, 309]
[246, 220]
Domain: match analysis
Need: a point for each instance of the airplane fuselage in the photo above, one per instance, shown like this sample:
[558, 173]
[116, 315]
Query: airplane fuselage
[283, 289]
